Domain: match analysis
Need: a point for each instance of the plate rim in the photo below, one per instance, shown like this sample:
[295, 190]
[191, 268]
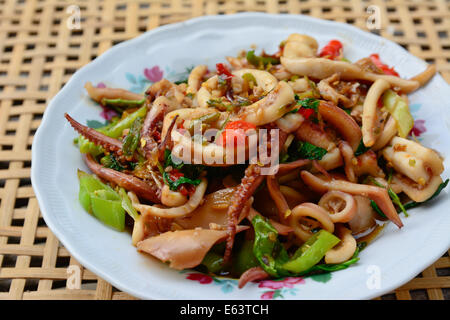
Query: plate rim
[53, 104]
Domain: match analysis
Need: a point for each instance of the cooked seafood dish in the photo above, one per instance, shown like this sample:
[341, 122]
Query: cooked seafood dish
[266, 166]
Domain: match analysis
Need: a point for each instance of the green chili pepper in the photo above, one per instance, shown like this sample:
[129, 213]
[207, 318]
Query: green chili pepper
[101, 200]
[269, 252]
[213, 261]
[311, 252]
[245, 259]
[122, 104]
[127, 205]
[116, 130]
[131, 141]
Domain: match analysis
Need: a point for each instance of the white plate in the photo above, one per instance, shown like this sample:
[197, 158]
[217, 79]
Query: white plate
[397, 256]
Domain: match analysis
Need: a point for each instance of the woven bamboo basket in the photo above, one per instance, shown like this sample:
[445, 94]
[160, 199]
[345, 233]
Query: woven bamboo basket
[38, 55]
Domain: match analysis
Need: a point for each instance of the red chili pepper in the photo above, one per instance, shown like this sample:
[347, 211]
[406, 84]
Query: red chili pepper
[332, 50]
[306, 113]
[386, 69]
[222, 69]
[236, 131]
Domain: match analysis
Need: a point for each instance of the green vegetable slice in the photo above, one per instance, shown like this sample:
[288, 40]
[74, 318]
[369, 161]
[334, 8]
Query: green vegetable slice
[312, 251]
[101, 200]
[260, 62]
[399, 110]
[269, 252]
[116, 130]
[122, 104]
[110, 212]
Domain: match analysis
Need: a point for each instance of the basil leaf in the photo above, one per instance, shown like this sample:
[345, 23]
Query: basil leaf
[169, 162]
[111, 162]
[308, 103]
[305, 150]
[95, 124]
[173, 185]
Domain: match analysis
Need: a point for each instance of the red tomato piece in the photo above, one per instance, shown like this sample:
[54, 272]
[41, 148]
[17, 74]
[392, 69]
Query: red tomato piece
[222, 69]
[235, 130]
[332, 50]
[386, 69]
[306, 113]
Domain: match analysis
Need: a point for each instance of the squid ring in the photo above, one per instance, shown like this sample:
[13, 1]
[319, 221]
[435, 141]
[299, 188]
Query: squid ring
[340, 205]
[344, 250]
[310, 210]
[369, 116]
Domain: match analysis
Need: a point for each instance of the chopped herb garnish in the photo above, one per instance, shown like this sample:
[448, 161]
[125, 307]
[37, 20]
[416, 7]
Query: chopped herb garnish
[111, 162]
[308, 103]
[377, 209]
[185, 76]
[261, 62]
[305, 150]
[173, 185]
[218, 104]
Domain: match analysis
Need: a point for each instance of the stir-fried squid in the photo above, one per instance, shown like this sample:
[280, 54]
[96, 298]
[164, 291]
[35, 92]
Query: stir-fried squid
[274, 166]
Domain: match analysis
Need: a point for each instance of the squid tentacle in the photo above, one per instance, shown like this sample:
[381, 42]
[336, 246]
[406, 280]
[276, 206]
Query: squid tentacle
[141, 188]
[249, 183]
[110, 144]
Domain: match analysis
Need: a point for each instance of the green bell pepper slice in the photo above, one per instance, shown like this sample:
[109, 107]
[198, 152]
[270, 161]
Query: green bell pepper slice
[116, 130]
[311, 252]
[109, 211]
[122, 104]
[101, 200]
